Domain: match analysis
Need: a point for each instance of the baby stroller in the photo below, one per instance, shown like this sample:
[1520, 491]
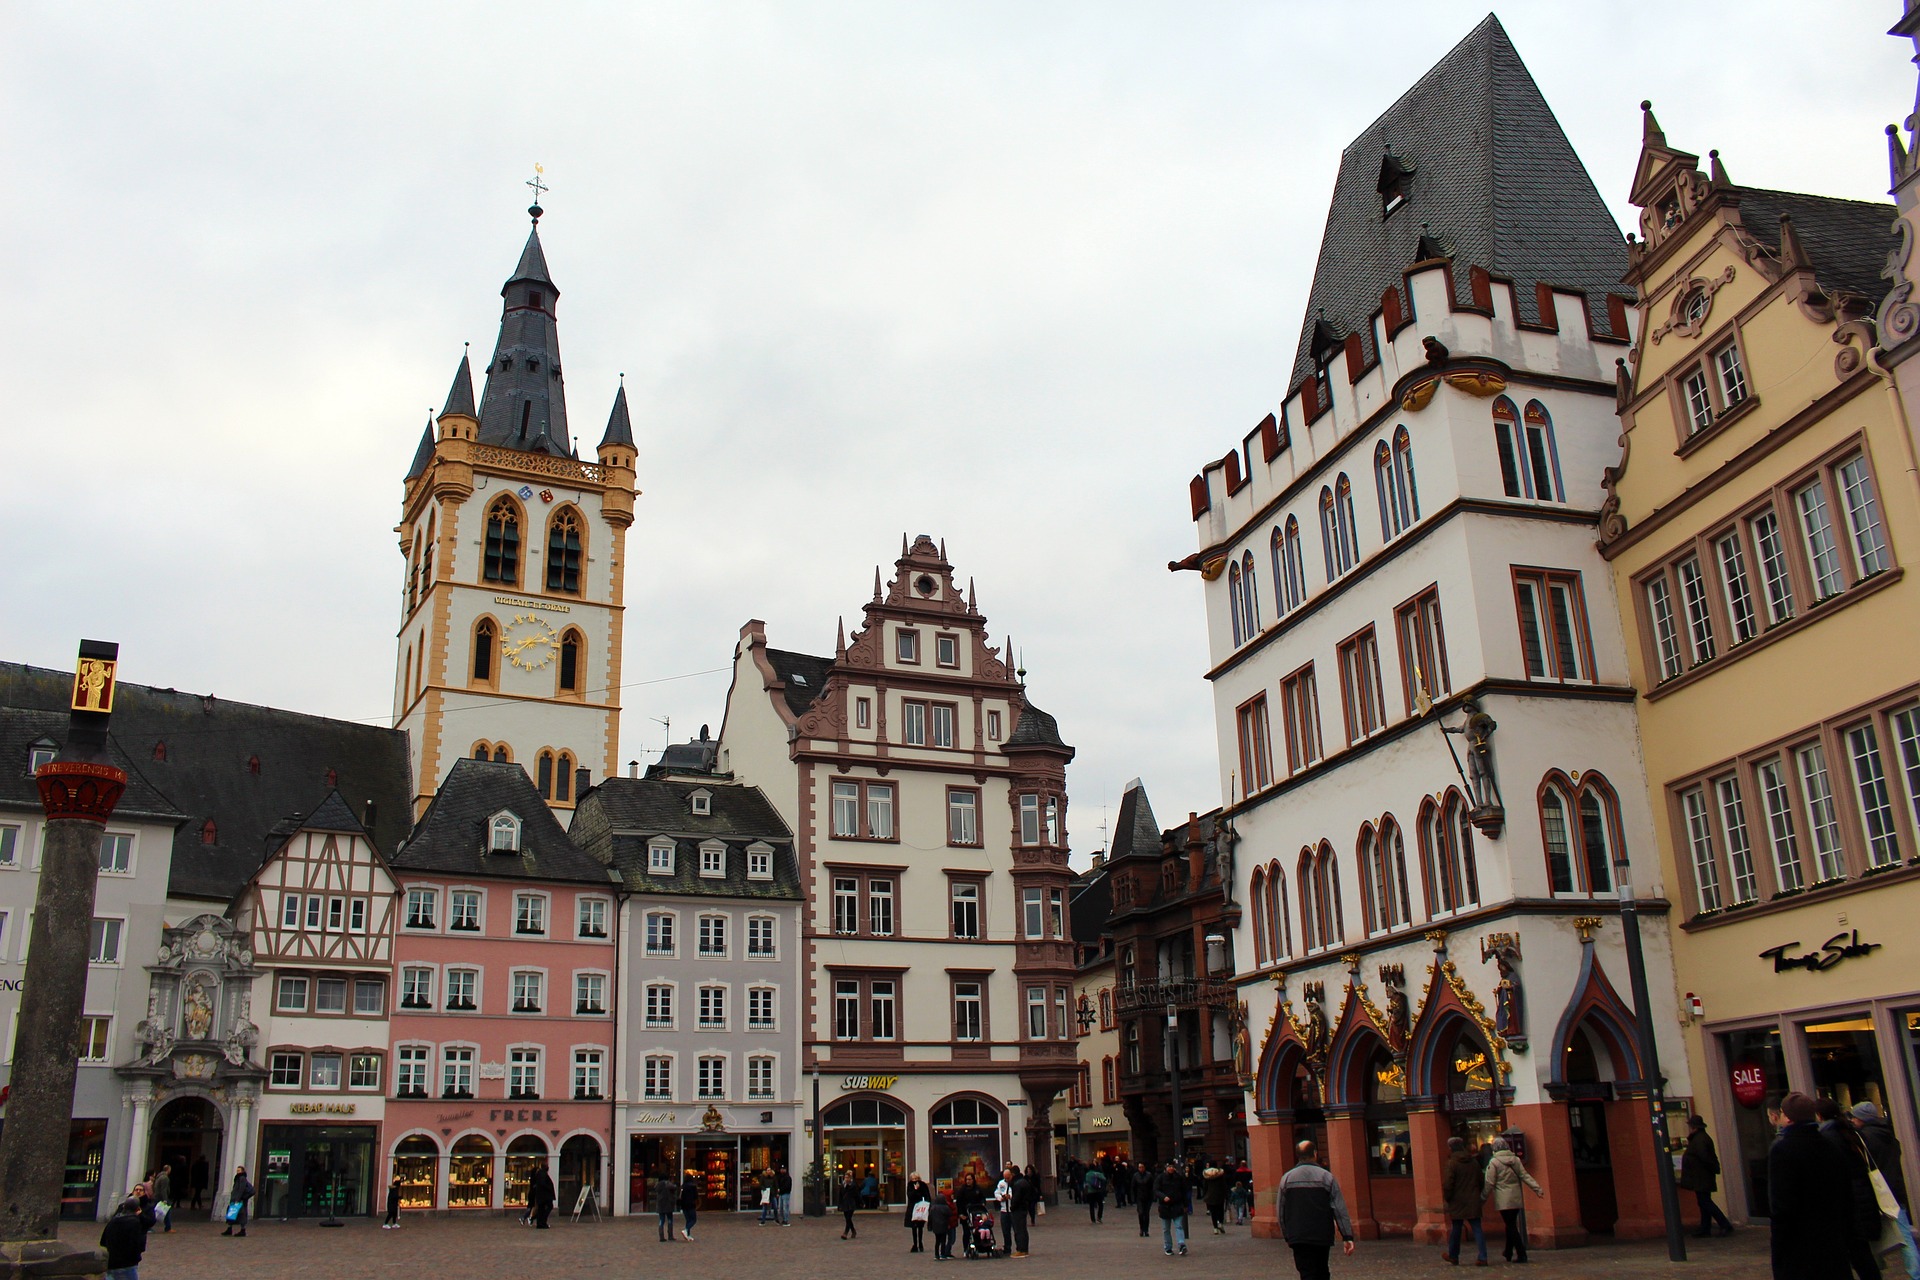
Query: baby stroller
[977, 1236]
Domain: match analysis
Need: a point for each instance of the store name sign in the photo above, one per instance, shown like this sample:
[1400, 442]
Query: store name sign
[869, 1082]
[1103, 1122]
[654, 1117]
[522, 1114]
[321, 1108]
[1835, 949]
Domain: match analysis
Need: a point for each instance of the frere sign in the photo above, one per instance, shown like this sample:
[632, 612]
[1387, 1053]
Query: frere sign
[1835, 949]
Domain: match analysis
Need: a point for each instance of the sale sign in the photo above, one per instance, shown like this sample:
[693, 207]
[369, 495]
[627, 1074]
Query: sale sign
[1749, 1083]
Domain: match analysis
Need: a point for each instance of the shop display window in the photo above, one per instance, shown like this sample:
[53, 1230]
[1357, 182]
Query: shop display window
[1389, 1148]
[414, 1162]
[1756, 1063]
[470, 1173]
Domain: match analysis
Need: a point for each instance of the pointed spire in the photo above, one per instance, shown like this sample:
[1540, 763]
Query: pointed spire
[1717, 171]
[460, 394]
[533, 261]
[619, 426]
[943, 549]
[424, 454]
[876, 582]
[973, 601]
[840, 640]
[1897, 160]
[524, 405]
[903, 546]
[1651, 134]
[1792, 252]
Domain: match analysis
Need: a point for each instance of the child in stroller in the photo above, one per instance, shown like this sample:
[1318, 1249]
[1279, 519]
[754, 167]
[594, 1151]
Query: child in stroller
[979, 1235]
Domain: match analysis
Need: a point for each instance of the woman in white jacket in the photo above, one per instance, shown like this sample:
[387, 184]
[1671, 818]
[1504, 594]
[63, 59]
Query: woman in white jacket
[1505, 1176]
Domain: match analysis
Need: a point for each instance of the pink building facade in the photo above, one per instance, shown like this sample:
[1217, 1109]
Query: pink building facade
[503, 1037]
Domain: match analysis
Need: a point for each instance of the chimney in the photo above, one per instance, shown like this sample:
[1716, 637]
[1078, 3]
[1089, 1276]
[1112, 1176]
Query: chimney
[582, 779]
[366, 816]
[1196, 853]
[633, 768]
[1099, 858]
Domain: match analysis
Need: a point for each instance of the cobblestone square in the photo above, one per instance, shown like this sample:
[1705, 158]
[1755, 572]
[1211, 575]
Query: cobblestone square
[1063, 1243]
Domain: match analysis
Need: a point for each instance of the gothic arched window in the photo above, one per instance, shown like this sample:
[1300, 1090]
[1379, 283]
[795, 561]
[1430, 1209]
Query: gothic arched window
[572, 653]
[1296, 565]
[563, 551]
[543, 774]
[502, 559]
[486, 643]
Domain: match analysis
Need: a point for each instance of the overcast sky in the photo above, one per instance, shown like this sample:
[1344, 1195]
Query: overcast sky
[1002, 273]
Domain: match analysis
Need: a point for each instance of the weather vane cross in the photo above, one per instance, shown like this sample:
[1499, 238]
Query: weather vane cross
[539, 189]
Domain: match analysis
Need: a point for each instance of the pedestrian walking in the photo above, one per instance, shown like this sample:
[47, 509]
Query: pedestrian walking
[238, 1196]
[1237, 1203]
[163, 1196]
[1075, 1177]
[1312, 1214]
[199, 1180]
[1808, 1198]
[849, 1205]
[689, 1203]
[393, 1205]
[1142, 1193]
[870, 1192]
[1093, 1190]
[1884, 1150]
[125, 1240]
[1025, 1198]
[1172, 1193]
[940, 1217]
[1243, 1183]
[1213, 1189]
[666, 1199]
[1505, 1176]
[782, 1197]
[1838, 1130]
[1120, 1182]
[918, 1193]
[1700, 1174]
[541, 1195]
[1463, 1187]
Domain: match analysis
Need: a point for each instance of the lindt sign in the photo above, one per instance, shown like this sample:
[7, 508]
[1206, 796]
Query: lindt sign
[1749, 1083]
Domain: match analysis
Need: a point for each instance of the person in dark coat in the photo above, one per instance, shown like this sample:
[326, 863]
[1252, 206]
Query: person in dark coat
[1213, 1189]
[1807, 1198]
[239, 1193]
[124, 1240]
[1025, 1198]
[1141, 1188]
[917, 1191]
[1700, 1174]
[940, 1218]
[1463, 1186]
[689, 1203]
[541, 1195]
[1884, 1149]
[1836, 1128]
[163, 1195]
[1093, 1190]
[1172, 1192]
[849, 1204]
[393, 1206]
[666, 1198]
[199, 1180]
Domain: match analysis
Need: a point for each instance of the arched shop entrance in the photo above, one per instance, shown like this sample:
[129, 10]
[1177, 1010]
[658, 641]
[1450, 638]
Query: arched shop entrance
[470, 1173]
[186, 1132]
[1389, 1143]
[966, 1139]
[868, 1138]
[525, 1153]
[579, 1167]
[1472, 1091]
[416, 1163]
[1587, 1098]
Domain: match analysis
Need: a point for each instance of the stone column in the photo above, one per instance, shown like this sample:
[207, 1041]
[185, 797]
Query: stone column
[1270, 1152]
[142, 1100]
[1553, 1221]
[239, 1142]
[1636, 1179]
[1346, 1157]
[1427, 1134]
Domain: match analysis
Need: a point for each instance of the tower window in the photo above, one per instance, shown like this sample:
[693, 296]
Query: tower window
[570, 661]
[563, 777]
[501, 755]
[543, 774]
[484, 641]
[563, 551]
[536, 299]
[502, 560]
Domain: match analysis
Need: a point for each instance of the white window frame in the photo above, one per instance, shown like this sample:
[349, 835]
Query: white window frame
[448, 976]
[407, 1060]
[772, 928]
[712, 942]
[541, 913]
[763, 1073]
[123, 843]
[759, 861]
[522, 980]
[713, 860]
[114, 928]
[412, 978]
[671, 921]
[585, 907]
[588, 976]
[660, 858]
[710, 1083]
[654, 995]
[420, 893]
[281, 983]
[457, 894]
[458, 1062]
[656, 1077]
[768, 995]
[712, 1011]
[590, 1062]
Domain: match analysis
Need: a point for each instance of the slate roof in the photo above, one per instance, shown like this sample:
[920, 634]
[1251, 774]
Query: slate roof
[804, 675]
[1089, 903]
[524, 405]
[1035, 729]
[460, 394]
[616, 821]
[1848, 240]
[423, 454]
[20, 730]
[1493, 173]
[619, 425]
[1136, 833]
[697, 755]
[452, 836]
[207, 772]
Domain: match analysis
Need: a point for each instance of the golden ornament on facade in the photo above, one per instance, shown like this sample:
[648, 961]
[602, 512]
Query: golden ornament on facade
[1476, 382]
[1419, 395]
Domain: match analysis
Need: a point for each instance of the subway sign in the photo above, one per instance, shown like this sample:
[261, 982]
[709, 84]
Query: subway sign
[881, 1083]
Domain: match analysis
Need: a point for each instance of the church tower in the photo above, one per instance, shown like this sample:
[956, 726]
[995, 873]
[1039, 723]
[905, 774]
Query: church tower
[515, 551]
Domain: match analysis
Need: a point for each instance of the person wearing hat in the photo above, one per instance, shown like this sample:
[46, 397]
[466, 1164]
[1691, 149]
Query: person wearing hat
[1877, 1133]
[1700, 1174]
[1808, 1198]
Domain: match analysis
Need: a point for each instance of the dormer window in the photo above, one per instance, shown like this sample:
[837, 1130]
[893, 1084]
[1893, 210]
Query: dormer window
[1396, 182]
[702, 802]
[660, 858]
[713, 860]
[504, 833]
[41, 752]
[759, 862]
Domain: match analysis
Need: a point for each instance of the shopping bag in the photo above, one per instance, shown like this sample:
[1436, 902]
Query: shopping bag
[233, 1211]
[1039, 1208]
[920, 1211]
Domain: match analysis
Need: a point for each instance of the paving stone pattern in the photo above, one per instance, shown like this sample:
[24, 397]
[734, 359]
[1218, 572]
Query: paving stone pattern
[1063, 1244]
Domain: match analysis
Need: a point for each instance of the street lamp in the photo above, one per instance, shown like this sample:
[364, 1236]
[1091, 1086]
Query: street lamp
[1650, 1057]
[1173, 1069]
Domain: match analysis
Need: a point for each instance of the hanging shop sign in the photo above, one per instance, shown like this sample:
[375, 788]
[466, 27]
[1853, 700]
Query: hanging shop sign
[1840, 946]
[881, 1083]
[1749, 1083]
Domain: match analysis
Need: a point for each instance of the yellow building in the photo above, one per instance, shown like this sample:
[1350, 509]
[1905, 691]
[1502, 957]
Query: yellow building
[1758, 525]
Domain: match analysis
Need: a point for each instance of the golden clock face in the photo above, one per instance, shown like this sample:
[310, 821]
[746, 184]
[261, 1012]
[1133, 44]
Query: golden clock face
[529, 643]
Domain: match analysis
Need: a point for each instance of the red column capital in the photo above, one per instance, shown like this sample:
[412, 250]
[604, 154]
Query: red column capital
[78, 789]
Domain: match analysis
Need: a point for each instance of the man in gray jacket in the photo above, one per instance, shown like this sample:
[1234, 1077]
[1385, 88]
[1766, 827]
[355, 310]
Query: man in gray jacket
[1312, 1212]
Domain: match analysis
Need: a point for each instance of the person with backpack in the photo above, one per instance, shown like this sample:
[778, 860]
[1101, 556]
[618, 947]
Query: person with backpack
[1093, 1190]
[1700, 1174]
